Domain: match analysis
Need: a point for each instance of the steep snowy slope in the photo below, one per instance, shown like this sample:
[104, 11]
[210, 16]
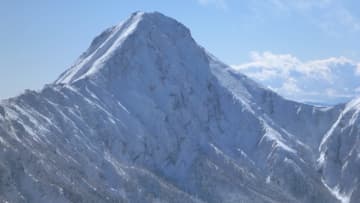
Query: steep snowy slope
[146, 115]
[339, 160]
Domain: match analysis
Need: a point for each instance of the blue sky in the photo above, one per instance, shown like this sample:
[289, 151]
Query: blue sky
[40, 39]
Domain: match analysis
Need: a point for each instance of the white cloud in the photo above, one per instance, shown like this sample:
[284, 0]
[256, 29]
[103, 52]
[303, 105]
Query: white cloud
[284, 64]
[327, 80]
[346, 18]
[221, 4]
[300, 4]
[358, 69]
[290, 87]
[329, 15]
[270, 63]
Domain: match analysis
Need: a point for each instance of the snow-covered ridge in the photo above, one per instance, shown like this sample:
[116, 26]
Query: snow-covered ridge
[100, 49]
[339, 158]
[147, 115]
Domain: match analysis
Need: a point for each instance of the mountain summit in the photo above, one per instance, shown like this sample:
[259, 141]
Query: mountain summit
[144, 30]
[147, 115]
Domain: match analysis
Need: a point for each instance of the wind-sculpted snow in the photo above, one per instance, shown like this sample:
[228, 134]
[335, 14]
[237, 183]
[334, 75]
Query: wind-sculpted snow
[147, 115]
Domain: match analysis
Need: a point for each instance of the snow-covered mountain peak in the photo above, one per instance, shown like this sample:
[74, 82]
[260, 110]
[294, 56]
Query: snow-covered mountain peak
[147, 115]
[145, 30]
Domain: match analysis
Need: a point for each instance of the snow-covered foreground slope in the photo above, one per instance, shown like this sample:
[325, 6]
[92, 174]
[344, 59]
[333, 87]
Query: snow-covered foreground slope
[339, 159]
[147, 115]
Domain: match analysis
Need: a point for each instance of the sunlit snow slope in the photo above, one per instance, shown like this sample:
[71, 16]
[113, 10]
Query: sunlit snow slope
[147, 115]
